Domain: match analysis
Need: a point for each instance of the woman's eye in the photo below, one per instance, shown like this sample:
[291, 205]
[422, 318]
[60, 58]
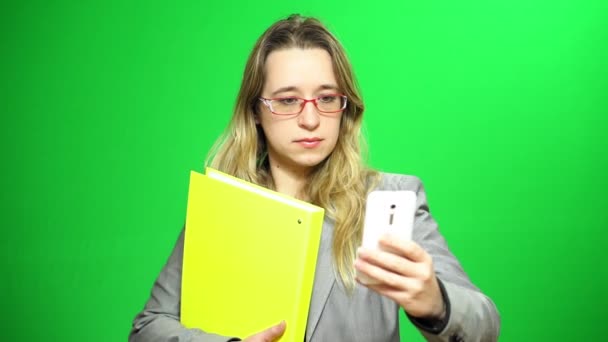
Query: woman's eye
[327, 98]
[288, 101]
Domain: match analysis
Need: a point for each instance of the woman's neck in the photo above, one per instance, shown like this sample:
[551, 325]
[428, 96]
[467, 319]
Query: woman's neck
[289, 181]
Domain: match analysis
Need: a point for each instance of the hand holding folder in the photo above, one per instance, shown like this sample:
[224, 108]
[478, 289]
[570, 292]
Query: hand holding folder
[249, 258]
[271, 334]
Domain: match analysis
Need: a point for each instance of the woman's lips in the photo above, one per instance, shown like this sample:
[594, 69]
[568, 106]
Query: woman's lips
[309, 142]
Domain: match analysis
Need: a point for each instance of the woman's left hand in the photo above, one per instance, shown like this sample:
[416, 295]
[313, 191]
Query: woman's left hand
[402, 271]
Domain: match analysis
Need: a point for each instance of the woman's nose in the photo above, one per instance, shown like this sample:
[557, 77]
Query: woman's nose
[309, 117]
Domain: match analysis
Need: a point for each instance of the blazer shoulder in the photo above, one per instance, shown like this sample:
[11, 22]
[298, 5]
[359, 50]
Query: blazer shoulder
[395, 181]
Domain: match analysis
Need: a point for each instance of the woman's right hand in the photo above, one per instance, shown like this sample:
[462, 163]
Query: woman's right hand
[269, 335]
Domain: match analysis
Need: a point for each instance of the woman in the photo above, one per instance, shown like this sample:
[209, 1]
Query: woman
[296, 129]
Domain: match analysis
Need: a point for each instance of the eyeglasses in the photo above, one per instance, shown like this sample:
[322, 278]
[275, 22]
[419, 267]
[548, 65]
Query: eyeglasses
[292, 105]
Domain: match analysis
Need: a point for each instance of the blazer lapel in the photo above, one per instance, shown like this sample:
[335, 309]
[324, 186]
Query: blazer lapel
[324, 279]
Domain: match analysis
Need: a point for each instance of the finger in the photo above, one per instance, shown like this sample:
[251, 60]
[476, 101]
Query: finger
[271, 334]
[378, 275]
[388, 261]
[406, 248]
[406, 294]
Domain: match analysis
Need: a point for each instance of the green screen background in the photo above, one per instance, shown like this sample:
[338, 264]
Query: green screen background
[499, 106]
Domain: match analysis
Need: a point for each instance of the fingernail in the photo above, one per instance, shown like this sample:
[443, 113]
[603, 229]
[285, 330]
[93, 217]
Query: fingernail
[388, 237]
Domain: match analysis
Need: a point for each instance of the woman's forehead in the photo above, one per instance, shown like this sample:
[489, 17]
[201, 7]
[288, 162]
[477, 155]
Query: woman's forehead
[299, 69]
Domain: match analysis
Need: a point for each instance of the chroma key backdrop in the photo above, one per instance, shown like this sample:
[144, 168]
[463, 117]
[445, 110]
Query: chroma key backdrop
[500, 107]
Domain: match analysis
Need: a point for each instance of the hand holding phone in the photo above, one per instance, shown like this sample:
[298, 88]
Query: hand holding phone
[387, 212]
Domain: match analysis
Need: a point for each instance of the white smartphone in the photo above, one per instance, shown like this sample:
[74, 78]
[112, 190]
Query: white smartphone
[387, 212]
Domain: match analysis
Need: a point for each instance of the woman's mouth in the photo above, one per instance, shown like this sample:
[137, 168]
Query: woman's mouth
[309, 142]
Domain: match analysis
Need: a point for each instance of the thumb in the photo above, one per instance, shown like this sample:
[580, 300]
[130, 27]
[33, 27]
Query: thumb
[273, 333]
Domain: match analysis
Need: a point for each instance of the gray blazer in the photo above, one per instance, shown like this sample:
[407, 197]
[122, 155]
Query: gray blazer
[364, 316]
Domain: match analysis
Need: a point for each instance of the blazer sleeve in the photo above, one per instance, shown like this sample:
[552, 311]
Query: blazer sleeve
[159, 321]
[472, 316]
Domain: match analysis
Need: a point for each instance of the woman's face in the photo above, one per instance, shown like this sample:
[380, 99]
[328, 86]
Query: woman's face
[299, 142]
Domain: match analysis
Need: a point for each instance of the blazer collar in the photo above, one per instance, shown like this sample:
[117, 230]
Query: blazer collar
[324, 278]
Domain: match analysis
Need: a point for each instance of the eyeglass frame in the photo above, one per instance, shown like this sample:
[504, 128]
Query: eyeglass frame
[305, 101]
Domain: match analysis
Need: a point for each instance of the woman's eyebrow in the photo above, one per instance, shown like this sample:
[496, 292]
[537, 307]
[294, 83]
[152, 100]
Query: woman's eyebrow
[328, 87]
[292, 88]
[283, 90]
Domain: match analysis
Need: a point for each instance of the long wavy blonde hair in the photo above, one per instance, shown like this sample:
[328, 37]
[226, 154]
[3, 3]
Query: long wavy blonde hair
[341, 182]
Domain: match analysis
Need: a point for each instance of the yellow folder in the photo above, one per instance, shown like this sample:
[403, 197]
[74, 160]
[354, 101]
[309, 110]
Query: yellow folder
[249, 258]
